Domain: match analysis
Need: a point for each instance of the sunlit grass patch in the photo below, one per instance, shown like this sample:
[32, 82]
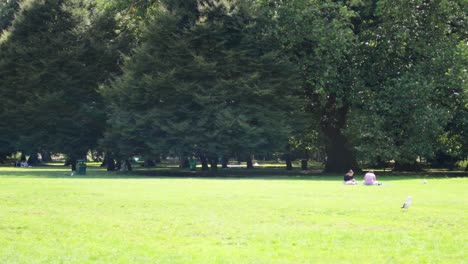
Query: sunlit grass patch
[47, 216]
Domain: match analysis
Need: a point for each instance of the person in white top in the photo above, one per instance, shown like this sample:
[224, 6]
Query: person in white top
[370, 179]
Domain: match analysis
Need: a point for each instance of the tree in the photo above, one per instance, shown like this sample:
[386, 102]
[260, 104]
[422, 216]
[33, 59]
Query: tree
[453, 142]
[51, 63]
[407, 56]
[8, 9]
[204, 82]
[318, 37]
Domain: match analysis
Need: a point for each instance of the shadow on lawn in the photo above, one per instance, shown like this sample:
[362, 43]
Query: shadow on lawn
[230, 173]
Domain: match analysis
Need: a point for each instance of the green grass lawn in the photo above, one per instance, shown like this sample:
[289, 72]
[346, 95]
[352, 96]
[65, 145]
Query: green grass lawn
[46, 216]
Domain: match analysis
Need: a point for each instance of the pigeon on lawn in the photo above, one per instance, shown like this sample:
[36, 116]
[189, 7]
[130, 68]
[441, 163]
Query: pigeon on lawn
[407, 204]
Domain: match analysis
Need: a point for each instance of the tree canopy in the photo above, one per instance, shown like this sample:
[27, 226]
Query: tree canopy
[366, 82]
[51, 63]
[204, 82]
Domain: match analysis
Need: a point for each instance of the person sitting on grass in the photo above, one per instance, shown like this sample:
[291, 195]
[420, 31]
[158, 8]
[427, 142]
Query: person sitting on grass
[370, 179]
[349, 178]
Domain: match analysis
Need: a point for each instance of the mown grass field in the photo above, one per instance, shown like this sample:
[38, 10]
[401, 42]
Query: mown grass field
[47, 216]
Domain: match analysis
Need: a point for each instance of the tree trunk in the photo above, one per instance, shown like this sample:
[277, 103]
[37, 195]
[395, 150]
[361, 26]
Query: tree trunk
[73, 163]
[23, 157]
[304, 164]
[214, 164]
[288, 162]
[203, 162]
[108, 162]
[157, 159]
[105, 161]
[45, 156]
[110, 165]
[33, 159]
[340, 157]
[149, 163]
[184, 162]
[118, 165]
[128, 164]
[224, 162]
[339, 154]
[249, 162]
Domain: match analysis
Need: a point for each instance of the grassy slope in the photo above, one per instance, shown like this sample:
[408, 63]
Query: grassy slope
[49, 217]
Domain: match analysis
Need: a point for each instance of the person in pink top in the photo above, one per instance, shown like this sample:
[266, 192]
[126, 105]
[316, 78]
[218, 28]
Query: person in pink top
[370, 179]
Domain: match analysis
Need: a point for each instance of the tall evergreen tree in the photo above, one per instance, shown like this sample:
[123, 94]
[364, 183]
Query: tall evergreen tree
[205, 81]
[51, 63]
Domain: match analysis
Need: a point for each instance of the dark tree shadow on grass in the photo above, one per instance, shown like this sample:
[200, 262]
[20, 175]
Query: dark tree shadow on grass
[221, 174]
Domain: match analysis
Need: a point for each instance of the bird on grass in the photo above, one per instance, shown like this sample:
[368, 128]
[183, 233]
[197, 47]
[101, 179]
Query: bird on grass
[407, 204]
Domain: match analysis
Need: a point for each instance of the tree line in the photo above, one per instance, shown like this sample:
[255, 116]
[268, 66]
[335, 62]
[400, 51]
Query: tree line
[361, 81]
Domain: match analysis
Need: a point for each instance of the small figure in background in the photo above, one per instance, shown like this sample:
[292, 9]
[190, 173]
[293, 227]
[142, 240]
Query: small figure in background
[349, 178]
[370, 179]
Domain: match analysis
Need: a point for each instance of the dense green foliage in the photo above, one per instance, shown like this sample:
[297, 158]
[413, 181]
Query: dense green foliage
[204, 82]
[365, 82]
[8, 9]
[318, 37]
[410, 79]
[51, 64]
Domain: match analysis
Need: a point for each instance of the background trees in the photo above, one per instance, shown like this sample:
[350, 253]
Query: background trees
[205, 82]
[51, 64]
[317, 36]
[407, 52]
[366, 81]
[8, 9]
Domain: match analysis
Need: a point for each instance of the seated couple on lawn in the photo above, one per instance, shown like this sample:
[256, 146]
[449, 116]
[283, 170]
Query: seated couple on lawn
[369, 178]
